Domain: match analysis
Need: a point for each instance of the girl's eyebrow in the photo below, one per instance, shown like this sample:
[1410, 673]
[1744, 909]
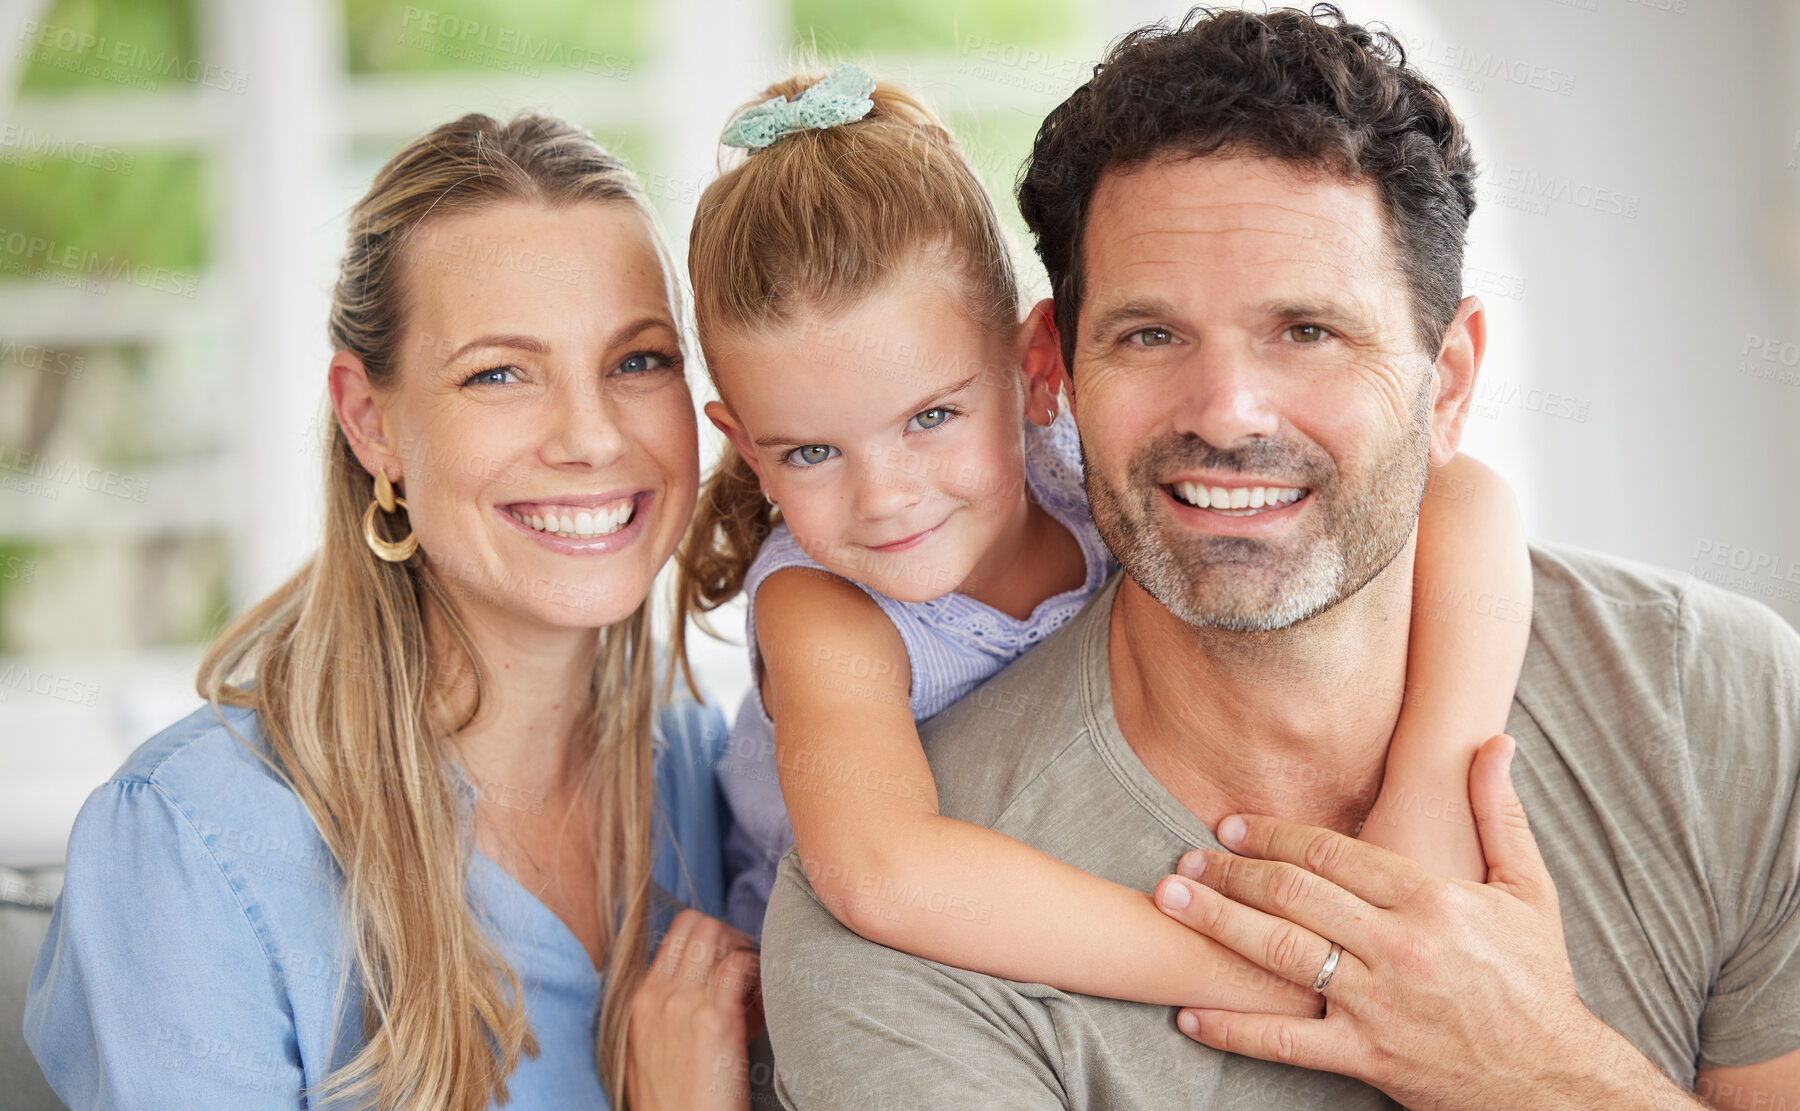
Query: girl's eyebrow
[781, 439]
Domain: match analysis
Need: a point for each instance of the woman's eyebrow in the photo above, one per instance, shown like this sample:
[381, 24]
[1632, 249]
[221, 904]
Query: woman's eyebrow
[519, 341]
[515, 341]
[636, 327]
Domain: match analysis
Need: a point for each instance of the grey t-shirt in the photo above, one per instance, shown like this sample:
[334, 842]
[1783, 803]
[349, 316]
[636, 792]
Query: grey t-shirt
[1658, 728]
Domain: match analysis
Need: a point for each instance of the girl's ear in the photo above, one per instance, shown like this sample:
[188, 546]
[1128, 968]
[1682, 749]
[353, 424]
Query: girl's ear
[723, 421]
[359, 414]
[1045, 376]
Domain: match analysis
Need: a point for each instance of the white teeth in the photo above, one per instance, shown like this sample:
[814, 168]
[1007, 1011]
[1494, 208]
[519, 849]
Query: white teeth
[580, 523]
[1239, 500]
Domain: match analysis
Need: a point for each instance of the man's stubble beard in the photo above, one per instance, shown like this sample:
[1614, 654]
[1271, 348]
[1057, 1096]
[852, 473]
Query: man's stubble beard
[1248, 585]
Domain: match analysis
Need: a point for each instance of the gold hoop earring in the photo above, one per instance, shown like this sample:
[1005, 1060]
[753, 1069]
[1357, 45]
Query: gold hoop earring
[390, 551]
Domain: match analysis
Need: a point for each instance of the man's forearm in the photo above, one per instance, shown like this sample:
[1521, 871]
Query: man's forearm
[1603, 1069]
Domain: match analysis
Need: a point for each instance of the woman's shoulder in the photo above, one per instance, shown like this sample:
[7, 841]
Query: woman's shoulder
[688, 732]
[214, 761]
[204, 791]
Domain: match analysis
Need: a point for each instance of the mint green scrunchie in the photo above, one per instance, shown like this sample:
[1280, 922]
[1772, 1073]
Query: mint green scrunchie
[842, 97]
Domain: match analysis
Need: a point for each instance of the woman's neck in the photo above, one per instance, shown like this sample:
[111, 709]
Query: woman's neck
[535, 684]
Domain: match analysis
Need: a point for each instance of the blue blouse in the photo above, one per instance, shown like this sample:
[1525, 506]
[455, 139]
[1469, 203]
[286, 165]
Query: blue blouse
[195, 953]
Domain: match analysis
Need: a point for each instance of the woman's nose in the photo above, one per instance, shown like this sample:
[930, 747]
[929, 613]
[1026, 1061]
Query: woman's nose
[585, 426]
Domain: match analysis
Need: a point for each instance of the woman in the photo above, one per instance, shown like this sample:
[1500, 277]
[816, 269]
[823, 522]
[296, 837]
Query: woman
[423, 819]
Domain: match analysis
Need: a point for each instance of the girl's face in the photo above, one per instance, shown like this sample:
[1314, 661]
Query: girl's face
[891, 435]
[538, 425]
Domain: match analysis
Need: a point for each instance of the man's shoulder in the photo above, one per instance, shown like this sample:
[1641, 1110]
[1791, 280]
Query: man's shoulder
[1605, 627]
[990, 745]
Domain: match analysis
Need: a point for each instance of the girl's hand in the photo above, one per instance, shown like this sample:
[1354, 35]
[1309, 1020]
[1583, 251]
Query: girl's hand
[692, 1018]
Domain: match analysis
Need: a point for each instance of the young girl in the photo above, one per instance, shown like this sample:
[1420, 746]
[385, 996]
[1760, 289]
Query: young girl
[902, 505]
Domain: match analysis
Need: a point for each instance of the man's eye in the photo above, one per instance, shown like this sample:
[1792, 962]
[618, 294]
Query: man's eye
[808, 455]
[1306, 333]
[1152, 337]
[933, 417]
[493, 376]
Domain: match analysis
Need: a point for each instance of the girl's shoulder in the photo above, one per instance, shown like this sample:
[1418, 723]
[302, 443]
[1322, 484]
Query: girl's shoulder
[1053, 465]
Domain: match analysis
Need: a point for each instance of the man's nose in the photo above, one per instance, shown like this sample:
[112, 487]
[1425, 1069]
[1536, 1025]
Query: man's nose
[1225, 395]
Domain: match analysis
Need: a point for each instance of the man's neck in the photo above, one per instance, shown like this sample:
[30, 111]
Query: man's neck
[1293, 723]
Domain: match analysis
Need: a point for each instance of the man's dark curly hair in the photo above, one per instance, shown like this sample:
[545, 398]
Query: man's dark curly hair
[1311, 90]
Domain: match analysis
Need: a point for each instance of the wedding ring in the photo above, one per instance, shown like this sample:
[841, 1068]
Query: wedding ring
[1329, 967]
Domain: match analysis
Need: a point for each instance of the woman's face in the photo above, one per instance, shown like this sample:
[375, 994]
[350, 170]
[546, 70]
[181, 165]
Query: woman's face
[539, 426]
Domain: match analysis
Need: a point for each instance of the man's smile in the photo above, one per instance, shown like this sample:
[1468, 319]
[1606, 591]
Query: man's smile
[1235, 501]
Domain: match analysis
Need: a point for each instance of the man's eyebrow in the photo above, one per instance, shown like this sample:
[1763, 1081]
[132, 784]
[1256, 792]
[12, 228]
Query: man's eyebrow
[1335, 313]
[1125, 312]
[782, 439]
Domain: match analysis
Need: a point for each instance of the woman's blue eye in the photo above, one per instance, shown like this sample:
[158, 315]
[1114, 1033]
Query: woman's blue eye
[492, 376]
[933, 417]
[641, 362]
[810, 455]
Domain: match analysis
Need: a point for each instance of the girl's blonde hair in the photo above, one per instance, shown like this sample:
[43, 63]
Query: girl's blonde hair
[337, 666]
[815, 223]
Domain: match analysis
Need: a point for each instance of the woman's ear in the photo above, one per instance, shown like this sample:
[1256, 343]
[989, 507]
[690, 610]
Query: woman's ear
[723, 421]
[359, 414]
[1045, 377]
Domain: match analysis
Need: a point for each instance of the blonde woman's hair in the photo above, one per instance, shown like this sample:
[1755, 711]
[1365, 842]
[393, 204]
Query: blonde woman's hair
[337, 666]
[815, 223]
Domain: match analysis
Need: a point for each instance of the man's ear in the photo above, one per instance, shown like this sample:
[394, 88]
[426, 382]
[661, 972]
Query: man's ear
[1045, 376]
[1458, 364]
[359, 414]
[723, 421]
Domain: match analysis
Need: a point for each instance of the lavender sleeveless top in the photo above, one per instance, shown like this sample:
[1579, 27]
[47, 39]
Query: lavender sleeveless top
[953, 644]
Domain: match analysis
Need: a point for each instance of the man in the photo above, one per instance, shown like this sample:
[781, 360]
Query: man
[1253, 226]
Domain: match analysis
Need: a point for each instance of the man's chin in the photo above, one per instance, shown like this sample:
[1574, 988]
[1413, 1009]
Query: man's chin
[1237, 597]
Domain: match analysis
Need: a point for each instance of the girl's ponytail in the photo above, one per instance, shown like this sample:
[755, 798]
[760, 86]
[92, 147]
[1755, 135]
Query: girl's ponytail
[731, 521]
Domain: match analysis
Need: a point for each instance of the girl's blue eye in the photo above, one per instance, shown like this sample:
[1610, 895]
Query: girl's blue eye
[642, 362]
[1153, 337]
[811, 455]
[492, 376]
[932, 417]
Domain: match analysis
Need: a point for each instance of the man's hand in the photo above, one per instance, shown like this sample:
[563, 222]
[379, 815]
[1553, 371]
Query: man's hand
[1448, 994]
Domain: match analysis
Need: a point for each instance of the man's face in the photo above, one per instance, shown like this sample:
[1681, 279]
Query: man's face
[1255, 413]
